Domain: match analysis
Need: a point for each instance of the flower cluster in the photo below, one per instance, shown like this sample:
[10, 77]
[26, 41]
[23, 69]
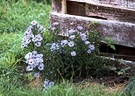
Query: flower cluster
[34, 61]
[30, 35]
[74, 35]
[48, 84]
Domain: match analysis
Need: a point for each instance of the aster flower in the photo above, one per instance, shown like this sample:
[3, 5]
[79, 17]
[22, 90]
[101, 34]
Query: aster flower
[29, 68]
[24, 45]
[71, 31]
[54, 46]
[37, 75]
[41, 66]
[34, 52]
[39, 55]
[63, 43]
[71, 44]
[83, 36]
[39, 60]
[87, 42]
[73, 53]
[33, 23]
[48, 84]
[89, 51]
[30, 61]
[38, 44]
[72, 37]
[92, 47]
[43, 30]
[28, 56]
[38, 37]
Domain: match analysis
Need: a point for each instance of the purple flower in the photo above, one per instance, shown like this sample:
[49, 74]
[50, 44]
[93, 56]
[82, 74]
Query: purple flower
[71, 44]
[72, 37]
[41, 67]
[38, 44]
[89, 51]
[73, 53]
[37, 75]
[29, 68]
[63, 43]
[92, 47]
[33, 23]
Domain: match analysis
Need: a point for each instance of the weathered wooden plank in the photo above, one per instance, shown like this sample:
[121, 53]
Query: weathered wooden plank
[101, 11]
[64, 6]
[111, 13]
[130, 4]
[76, 8]
[119, 56]
[56, 6]
[122, 32]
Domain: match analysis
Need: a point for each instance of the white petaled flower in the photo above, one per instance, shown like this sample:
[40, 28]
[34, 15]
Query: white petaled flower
[73, 53]
[29, 68]
[80, 28]
[33, 23]
[38, 37]
[35, 64]
[24, 45]
[63, 43]
[41, 66]
[71, 44]
[27, 32]
[71, 31]
[31, 61]
[34, 52]
[27, 41]
[89, 51]
[41, 27]
[38, 44]
[39, 60]
[72, 37]
[43, 30]
[39, 55]
[37, 75]
[28, 56]
[92, 47]
[83, 36]
[33, 39]
[54, 46]
[48, 84]
[87, 42]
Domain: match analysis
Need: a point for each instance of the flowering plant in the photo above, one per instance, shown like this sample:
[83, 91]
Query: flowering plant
[53, 56]
[36, 60]
[76, 54]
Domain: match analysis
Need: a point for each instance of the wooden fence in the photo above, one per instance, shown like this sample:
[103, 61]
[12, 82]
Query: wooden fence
[112, 18]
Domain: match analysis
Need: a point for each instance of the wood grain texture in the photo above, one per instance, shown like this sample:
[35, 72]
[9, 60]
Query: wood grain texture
[122, 32]
[130, 4]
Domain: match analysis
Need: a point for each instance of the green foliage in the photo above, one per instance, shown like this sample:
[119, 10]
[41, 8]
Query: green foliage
[130, 88]
[83, 64]
[16, 16]
[62, 89]
[110, 42]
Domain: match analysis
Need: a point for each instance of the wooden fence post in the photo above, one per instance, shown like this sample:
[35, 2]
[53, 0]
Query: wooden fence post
[64, 6]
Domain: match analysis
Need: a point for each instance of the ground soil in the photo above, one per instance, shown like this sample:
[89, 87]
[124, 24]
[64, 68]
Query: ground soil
[112, 81]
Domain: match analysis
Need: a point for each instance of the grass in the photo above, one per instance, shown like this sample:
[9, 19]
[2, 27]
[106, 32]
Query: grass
[14, 19]
[16, 16]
